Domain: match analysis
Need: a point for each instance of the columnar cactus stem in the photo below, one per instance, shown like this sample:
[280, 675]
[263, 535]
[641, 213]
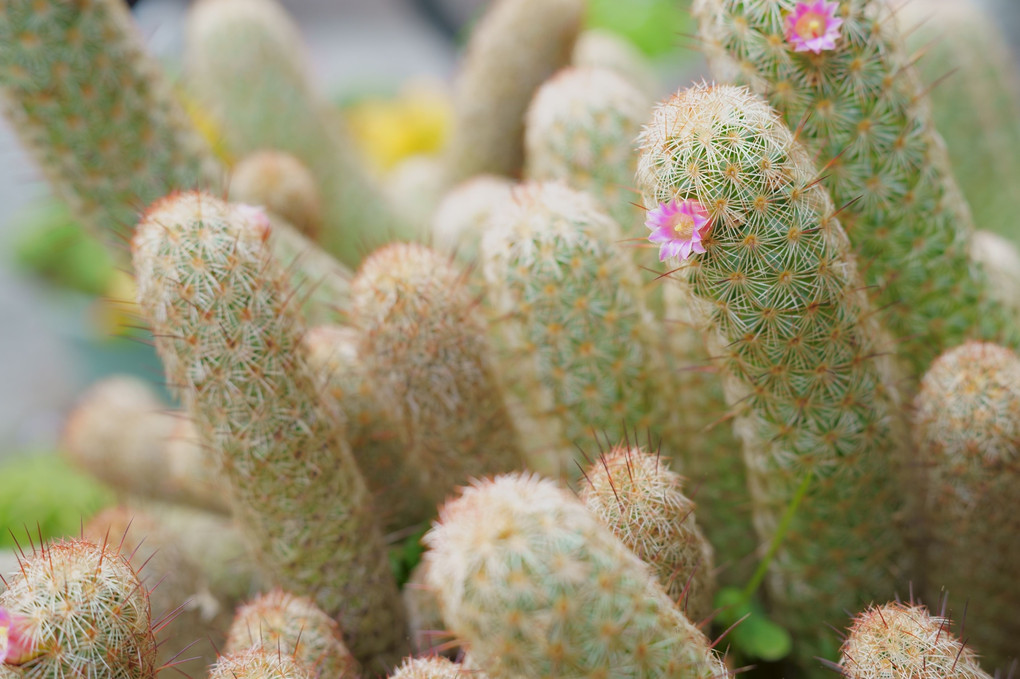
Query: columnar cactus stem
[280, 183]
[279, 622]
[580, 129]
[967, 430]
[517, 45]
[578, 343]
[332, 352]
[643, 503]
[228, 331]
[858, 104]
[246, 64]
[1001, 261]
[424, 351]
[899, 641]
[537, 587]
[81, 612]
[799, 349]
[122, 434]
[96, 112]
[462, 214]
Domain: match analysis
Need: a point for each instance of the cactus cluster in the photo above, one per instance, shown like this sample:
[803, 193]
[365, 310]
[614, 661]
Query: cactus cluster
[721, 400]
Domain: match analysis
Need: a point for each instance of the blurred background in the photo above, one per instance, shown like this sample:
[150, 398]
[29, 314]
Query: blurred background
[386, 61]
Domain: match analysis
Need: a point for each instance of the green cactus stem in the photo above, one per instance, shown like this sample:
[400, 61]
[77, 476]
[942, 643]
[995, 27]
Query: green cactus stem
[280, 183]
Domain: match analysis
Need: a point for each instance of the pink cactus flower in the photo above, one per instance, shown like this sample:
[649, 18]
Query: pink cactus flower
[813, 26]
[15, 647]
[678, 227]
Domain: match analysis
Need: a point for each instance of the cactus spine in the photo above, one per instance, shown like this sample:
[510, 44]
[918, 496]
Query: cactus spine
[260, 663]
[433, 668]
[577, 338]
[643, 503]
[777, 293]
[426, 355]
[95, 111]
[228, 333]
[332, 352]
[517, 45]
[860, 106]
[286, 624]
[580, 129]
[82, 612]
[900, 641]
[539, 588]
[967, 431]
[245, 63]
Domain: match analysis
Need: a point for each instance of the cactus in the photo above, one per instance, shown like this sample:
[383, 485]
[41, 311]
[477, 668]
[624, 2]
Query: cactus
[538, 587]
[967, 432]
[290, 625]
[121, 433]
[575, 333]
[280, 183]
[433, 668]
[424, 352]
[580, 129]
[900, 641]
[858, 104]
[776, 292]
[1001, 261]
[233, 44]
[259, 663]
[95, 111]
[642, 501]
[975, 100]
[332, 352]
[81, 612]
[599, 48]
[228, 333]
[516, 46]
[462, 214]
[177, 590]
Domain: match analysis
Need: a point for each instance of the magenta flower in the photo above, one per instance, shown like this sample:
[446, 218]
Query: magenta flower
[678, 227]
[813, 26]
[15, 647]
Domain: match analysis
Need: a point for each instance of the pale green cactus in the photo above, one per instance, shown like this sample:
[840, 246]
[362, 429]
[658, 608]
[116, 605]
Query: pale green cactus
[434, 668]
[79, 610]
[424, 350]
[642, 501]
[580, 129]
[601, 48]
[462, 215]
[967, 432]
[259, 663]
[228, 331]
[246, 64]
[515, 47]
[900, 641]
[537, 587]
[860, 109]
[776, 292]
[278, 622]
[579, 347]
[96, 112]
[283, 185]
[1000, 259]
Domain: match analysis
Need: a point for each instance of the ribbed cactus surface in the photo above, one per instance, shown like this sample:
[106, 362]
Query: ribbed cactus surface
[777, 293]
[228, 331]
[579, 346]
[540, 588]
[424, 350]
[901, 641]
[95, 111]
[860, 108]
[81, 612]
[967, 432]
[642, 501]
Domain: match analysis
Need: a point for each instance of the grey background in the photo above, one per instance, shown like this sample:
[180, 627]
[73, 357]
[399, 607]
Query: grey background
[354, 45]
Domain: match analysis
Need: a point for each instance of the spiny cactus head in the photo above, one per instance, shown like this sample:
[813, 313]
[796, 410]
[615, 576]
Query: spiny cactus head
[259, 663]
[283, 185]
[399, 271]
[642, 501]
[79, 609]
[462, 215]
[433, 668]
[968, 409]
[293, 625]
[905, 641]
